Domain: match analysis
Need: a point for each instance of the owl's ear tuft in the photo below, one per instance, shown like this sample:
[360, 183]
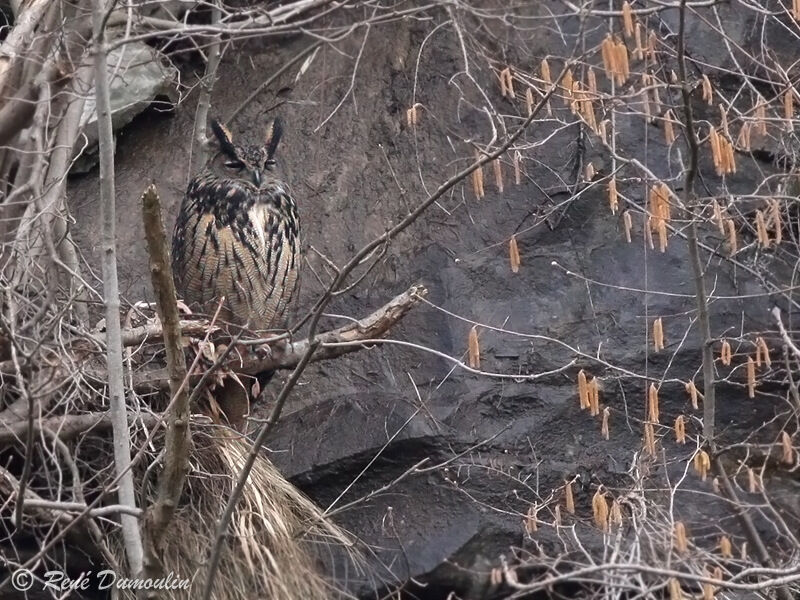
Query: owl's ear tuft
[273, 136]
[224, 137]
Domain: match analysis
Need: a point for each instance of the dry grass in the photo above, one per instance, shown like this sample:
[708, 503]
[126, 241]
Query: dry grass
[275, 535]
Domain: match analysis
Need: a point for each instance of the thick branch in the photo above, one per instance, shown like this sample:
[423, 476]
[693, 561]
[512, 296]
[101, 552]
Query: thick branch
[12, 50]
[176, 446]
[289, 355]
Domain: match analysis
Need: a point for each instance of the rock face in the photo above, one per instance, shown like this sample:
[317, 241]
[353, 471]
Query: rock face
[486, 449]
[138, 76]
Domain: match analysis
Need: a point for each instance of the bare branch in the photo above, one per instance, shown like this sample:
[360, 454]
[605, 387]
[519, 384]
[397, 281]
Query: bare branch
[116, 386]
[177, 444]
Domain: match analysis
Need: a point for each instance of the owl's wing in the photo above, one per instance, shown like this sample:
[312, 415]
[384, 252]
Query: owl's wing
[229, 243]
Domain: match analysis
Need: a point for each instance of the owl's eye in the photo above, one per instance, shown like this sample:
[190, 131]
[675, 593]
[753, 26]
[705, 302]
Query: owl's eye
[234, 164]
[269, 163]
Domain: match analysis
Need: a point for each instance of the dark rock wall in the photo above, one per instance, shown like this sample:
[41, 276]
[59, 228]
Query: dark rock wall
[355, 424]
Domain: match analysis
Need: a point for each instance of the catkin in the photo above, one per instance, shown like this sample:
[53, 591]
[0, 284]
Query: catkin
[691, 389]
[788, 450]
[651, 46]
[569, 499]
[497, 167]
[764, 351]
[708, 92]
[675, 592]
[583, 389]
[713, 140]
[658, 335]
[669, 130]
[751, 377]
[718, 216]
[775, 218]
[615, 514]
[733, 244]
[600, 510]
[652, 404]
[753, 481]
[627, 18]
[725, 353]
[743, 139]
[591, 81]
[626, 218]
[725, 548]
[761, 116]
[477, 178]
[638, 51]
[622, 62]
[529, 101]
[531, 522]
[723, 117]
[662, 235]
[680, 430]
[594, 397]
[568, 82]
[761, 229]
[545, 72]
[702, 464]
[411, 116]
[613, 200]
[649, 439]
[513, 253]
[474, 349]
[606, 51]
[680, 541]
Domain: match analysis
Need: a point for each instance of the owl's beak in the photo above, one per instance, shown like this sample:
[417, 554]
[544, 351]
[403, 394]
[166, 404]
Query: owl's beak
[257, 177]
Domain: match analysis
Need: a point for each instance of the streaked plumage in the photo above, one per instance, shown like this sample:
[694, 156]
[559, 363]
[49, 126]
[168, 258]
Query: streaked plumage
[237, 235]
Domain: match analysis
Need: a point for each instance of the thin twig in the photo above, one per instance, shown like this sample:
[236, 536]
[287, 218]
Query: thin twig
[709, 402]
[199, 140]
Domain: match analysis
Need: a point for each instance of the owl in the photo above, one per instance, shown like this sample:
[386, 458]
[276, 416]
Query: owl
[237, 238]
[237, 234]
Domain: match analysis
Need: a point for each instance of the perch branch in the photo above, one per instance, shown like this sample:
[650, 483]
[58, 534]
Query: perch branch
[154, 332]
[116, 386]
[177, 443]
[289, 355]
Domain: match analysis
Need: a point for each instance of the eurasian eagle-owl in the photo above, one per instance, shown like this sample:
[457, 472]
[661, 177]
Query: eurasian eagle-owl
[237, 236]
